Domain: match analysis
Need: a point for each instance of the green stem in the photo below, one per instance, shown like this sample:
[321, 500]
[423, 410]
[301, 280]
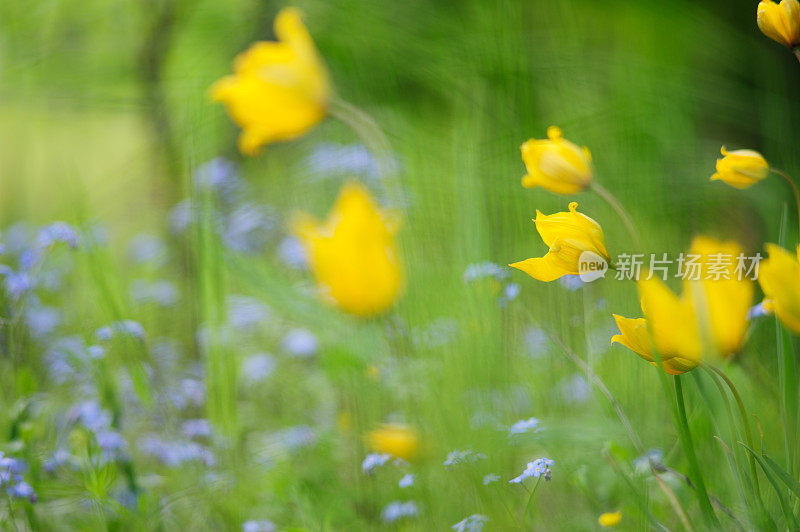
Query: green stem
[530, 502]
[371, 134]
[612, 201]
[791, 182]
[688, 448]
[745, 422]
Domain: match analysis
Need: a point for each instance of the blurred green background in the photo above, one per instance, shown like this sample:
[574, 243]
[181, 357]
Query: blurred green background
[105, 114]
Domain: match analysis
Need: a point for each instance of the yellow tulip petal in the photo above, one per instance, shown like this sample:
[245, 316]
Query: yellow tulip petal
[779, 276]
[353, 254]
[546, 269]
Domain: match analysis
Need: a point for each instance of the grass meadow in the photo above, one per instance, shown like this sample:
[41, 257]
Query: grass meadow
[166, 362]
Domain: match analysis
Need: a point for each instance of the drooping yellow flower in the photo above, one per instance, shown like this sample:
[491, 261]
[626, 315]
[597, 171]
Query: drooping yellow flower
[568, 235]
[556, 164]
[609, 519]
[780, 22]
[353, 255]
[635, 335]
[278, 90]
[398, 440]
[779, 276]
[741, 168]
[709, 317]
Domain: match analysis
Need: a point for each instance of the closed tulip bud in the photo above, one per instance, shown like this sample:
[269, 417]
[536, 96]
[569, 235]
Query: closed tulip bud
[568, 235]
[278, 90]
[556, 164]
[780, 22]
[354, 254]
[779, 277]
[741, 168]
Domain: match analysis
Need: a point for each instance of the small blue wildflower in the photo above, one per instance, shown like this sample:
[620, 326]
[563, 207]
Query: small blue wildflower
[300, 343]
[297, 437]
[180, 217]
[259, 526]
[538, 468]
[460, 457]
[60, 458]
[571, 282]
[652, 459]
[373, 460]
[120, 328]
[439, 332]
[221, 176]
[473, 523]
[397, 510]
[537, 342]
[176, 453]
[57, 232]
[22, 490]
[258, 367]
[247, 312]
[331, 159]
[524, 426]
[757, 311]
[189, 393]
[160, 292]
[145, 248]
[40, 319]
[482, 270]
[292, 252]
[510, 292]
[91, 415]
[248, 228]
[490, 478]
[196, 428]
[111, 443]
[16, 284]
[407, 480]
[574, 389]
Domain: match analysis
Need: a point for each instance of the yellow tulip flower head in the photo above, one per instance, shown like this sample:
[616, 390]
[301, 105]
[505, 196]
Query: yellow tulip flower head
[568, 235]
[710, 317]
[741, 168]
[779, 277]
[353, 254]
[556, 164]
[397, 440]
[780, 22]
[278, 90]
[609, 519]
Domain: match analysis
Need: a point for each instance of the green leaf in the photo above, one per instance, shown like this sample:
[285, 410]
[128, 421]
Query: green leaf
[791, 522]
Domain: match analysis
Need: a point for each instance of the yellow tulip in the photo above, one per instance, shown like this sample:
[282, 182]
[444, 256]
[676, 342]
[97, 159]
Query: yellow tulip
[741, 168]
[353, 255]
[556, 164]
[780, 22]
[398, 440]
[779, 277]
[278, 90]
[634, 335]
[609, 519]
[568, 235]
[709, 317]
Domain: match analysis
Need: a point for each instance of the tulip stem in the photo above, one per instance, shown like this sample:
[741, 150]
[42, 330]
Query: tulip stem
[688, 448]
[370, 133]
[791, 182]
[609, 198]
